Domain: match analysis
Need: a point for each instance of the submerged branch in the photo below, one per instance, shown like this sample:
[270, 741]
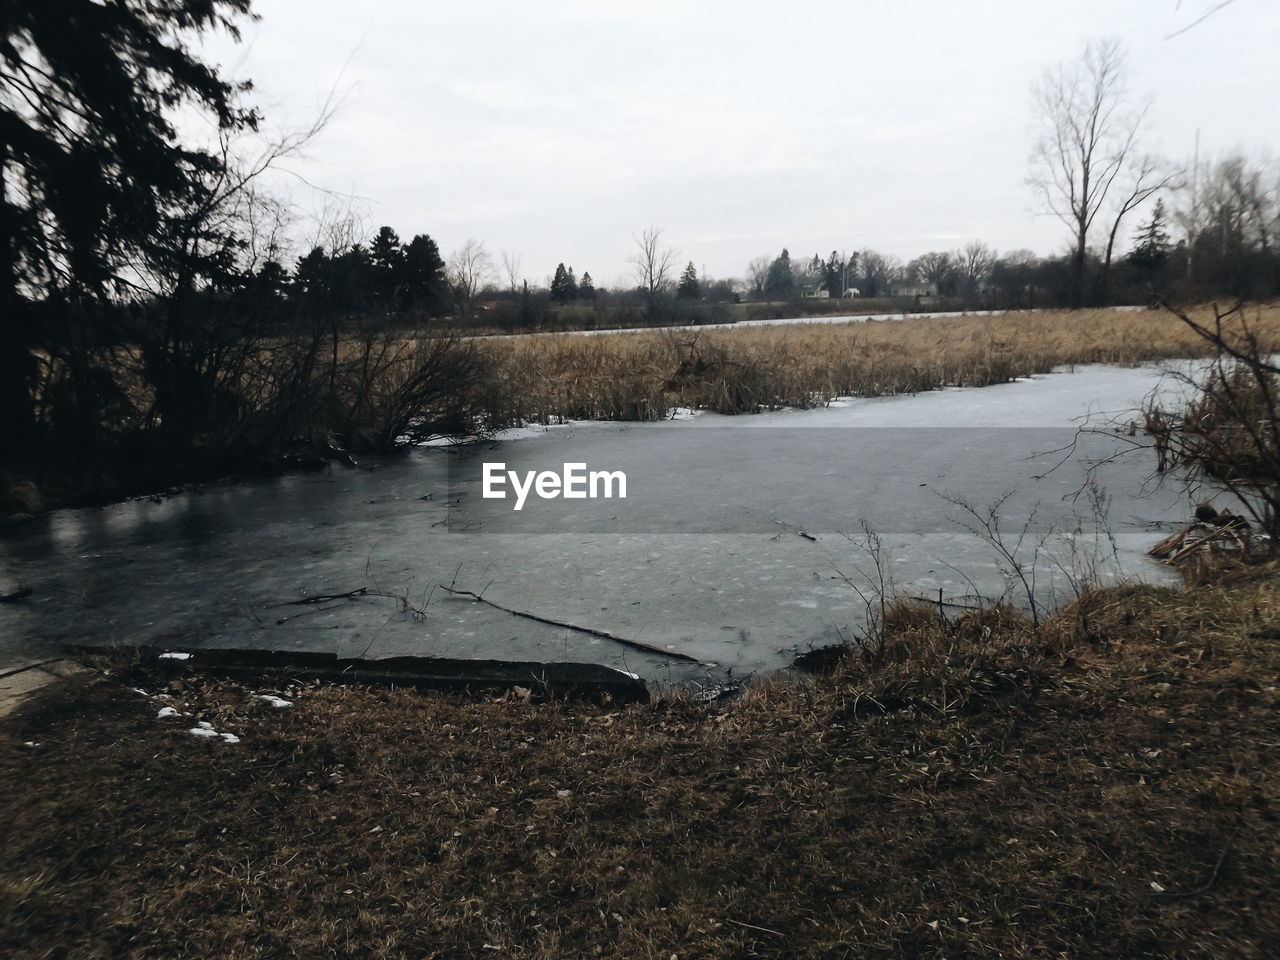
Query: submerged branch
[590, 631]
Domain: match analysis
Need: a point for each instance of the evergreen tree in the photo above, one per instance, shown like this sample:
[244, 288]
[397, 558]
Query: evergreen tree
[423, 272]
[564, 287]
[587, 288]
[1151, 250]
[97, 185]
[833, 275]
[689, 288]
[270, 281]
[779, 284]
[352, 279]
[386, 255]
[261, 293]
[311, 275]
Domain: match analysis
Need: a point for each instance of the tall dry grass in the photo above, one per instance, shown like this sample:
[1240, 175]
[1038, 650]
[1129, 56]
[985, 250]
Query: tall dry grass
[643, 375]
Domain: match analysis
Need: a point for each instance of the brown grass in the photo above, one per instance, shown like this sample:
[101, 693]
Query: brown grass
[980, 788]
[643, 375]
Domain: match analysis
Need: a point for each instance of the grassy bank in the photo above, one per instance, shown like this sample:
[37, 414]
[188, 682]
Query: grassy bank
[644, 375]
[1102, 786]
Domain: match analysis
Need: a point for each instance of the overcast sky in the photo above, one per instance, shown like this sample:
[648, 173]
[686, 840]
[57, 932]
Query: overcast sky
[561, 130]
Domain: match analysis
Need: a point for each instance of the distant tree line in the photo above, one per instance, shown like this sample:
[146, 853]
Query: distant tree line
[1090, 169]
[387, 274]
[1216, 236]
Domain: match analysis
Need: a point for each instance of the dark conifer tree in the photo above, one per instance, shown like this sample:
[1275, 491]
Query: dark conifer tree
[1151, 248]
[1150, 254]
[689, 288]
[424, 274]
[564, 288]
[94, 178]
[780, 284]
[833, 275]
[386, 256]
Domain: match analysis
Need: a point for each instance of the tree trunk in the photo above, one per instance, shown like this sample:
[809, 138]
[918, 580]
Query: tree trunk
[1104, 289]
[1078, 271]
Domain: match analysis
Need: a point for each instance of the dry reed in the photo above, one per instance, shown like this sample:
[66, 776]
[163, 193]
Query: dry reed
[643, 375]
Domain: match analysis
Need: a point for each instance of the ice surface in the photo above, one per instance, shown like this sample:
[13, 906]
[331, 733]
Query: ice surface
[219, 566]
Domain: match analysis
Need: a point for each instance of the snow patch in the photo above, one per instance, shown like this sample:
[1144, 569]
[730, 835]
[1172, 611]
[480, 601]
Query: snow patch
[205, 729]
[170, 655]
[278, 702]
[166, 712]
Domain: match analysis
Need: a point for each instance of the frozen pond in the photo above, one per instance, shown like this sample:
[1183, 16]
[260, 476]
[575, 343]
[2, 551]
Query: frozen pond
[740, 541]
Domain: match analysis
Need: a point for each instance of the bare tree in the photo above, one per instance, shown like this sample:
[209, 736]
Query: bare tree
[511, 269]
[757, 274]
[879, 270]
[1089, 130]
[470, 269]
[1231, 225]
[973, 264]
[936, 268]
[652, 266]
[1200, 19]
[339, 224]
[1147, 175]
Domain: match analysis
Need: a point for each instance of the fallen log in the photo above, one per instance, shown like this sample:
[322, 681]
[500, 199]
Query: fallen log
[1170, 543]
[1188, 548]
[590, 631]
[1198, 535]
[326, 597]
